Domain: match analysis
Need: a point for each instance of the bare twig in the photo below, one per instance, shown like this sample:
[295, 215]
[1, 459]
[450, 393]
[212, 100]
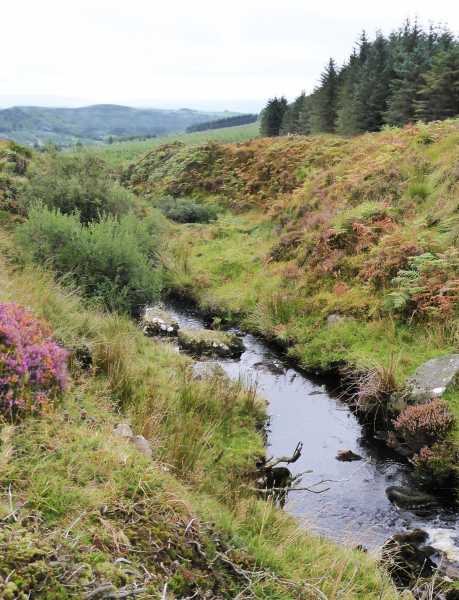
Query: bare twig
[187, 528]
[272, 462]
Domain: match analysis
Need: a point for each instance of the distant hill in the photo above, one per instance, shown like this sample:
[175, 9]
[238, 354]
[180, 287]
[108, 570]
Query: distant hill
[98, 123]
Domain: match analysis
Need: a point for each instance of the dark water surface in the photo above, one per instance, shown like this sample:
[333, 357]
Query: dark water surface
[355, 509]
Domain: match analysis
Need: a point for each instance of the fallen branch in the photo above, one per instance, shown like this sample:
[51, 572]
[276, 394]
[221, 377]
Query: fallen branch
[287, 489]
[272, 462]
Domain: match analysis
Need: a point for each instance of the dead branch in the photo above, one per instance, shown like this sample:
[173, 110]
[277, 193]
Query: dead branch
[272, 462]
[288, 490]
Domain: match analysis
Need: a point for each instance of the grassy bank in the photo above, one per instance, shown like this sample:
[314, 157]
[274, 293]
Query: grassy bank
[86, 515]
[120, 154]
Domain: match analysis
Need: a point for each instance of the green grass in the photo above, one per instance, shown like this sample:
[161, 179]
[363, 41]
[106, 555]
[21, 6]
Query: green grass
[121, 153]
[74, 499]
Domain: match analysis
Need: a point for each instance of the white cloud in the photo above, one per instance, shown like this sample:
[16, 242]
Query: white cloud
[186, 53]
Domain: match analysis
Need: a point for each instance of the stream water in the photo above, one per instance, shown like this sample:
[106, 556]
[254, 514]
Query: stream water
[355, 509]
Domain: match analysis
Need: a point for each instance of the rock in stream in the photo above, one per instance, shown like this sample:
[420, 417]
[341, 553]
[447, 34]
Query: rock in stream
[206, 342]
[156, 321]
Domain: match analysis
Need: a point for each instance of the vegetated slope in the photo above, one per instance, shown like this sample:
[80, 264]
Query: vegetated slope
[121, 153]
[364, 229]
[86, 515]
[65, 126]
[13, 165]
[221, 123]
[246, 174]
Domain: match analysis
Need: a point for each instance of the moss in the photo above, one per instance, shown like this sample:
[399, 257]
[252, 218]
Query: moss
[208, 342]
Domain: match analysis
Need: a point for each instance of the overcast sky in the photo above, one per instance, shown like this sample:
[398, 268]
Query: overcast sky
[201, 53]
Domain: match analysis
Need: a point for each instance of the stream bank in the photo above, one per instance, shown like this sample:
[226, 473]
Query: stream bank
[355, 510]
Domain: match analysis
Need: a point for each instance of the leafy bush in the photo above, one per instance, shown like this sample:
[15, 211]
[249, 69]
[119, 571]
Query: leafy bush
[423, 424]
[72, 183]
[113, 260]
[183, 210]
[33, 368]
[428, 287]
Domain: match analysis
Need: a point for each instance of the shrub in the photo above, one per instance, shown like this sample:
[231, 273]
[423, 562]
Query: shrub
[113, 260]
[436, 467]
[183, 210]
[33, 368]
[72, 183]
[424, 424]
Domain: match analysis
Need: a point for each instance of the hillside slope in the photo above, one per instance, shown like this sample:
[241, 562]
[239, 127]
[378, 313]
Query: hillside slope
[84, 513]
[38, 125]
[344, 251]
[120, 154]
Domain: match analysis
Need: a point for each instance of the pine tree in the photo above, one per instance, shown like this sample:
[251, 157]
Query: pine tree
[292, 121]
[409, 75]
[272, 116]
[347, 121]
[411, 58]
[439, 96]
[373, 87]
[325, 103]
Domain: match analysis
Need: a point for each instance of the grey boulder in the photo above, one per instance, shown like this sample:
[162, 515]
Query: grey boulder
[433, 378]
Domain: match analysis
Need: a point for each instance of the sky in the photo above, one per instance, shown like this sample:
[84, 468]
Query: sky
[177, 53]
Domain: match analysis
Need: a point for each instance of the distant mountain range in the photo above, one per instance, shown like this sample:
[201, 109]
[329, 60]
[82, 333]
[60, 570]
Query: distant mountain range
[36, 125]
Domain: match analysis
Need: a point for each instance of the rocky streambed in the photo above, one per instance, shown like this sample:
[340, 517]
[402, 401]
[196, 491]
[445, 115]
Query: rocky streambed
[370, 495]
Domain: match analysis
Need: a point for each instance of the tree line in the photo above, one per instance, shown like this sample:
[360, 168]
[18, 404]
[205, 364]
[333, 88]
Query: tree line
[220, 123]
[410, 75]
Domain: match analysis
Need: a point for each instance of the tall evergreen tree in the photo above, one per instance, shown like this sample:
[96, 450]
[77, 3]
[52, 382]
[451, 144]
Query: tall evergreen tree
[291, 115]
[411, 58]
[347, 121]
[439, 96]
[325, 104]
[272, 116]
[409, 75]
[373, 87]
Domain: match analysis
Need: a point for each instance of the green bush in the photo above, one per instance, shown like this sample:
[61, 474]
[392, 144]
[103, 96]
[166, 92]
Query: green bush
[72, 183]
[113, 260]
[184, 210]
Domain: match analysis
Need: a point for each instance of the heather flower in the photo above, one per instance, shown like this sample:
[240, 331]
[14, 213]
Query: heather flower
[423, 424]
[33, 367]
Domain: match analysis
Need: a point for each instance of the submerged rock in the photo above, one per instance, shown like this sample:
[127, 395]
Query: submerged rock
[347, 456]
[433, 378]
[407, 557]
[156, 321]
[206, 342]
[408, 499]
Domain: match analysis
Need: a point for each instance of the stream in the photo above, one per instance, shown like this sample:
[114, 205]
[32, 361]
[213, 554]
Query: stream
[355, 509]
